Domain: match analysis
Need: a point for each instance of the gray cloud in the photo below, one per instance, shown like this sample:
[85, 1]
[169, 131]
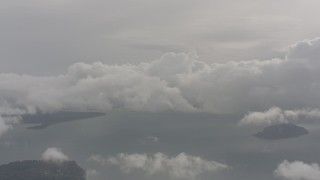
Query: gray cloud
[5, 125]
[11, 114]
[56, 33]
[92, 174]
[179, 82]
[149, 139]
[182, 166]
[297, 170]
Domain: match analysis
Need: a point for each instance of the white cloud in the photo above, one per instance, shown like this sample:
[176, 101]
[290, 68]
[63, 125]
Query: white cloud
[276, 115]
[54, 155]
[272, 116]
[182, 166]
[297, 170]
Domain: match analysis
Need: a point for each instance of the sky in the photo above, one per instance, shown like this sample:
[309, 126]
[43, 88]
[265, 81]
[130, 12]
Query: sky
[258, 60]
[56, 34]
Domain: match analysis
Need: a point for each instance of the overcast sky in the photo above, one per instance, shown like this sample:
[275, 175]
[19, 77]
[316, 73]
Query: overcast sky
[44, 37]
[179, 62]
[181, 55]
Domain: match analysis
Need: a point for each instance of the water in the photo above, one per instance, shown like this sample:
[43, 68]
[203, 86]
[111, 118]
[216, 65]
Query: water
[212, 137]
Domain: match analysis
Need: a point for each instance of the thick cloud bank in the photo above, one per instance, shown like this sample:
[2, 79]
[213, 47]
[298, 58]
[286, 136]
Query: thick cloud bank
[179, 82]
[276, 115]
[182, 166]
[54, 155]
[297, 170]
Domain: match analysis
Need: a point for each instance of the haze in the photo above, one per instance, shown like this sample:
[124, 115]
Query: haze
[175, 79]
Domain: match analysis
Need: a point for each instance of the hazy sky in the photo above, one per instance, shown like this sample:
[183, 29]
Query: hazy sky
[46, 36]
[158, 56]
[257, 60]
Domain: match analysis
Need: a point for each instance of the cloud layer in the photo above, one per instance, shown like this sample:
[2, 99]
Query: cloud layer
[182, 166]
[297, 170]
[276, 115]
[179, 82]
[54, 155]
[133, 32]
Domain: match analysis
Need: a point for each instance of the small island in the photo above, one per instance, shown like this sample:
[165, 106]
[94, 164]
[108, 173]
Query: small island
[281, 131]
[41, 170]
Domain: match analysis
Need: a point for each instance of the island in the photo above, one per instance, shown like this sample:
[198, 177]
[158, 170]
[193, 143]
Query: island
[281, 131]
[41, 170]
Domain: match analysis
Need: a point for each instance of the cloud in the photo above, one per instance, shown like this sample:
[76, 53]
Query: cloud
[297, 170]
[106, 32]
[272, 116]
[149, 139]
[4, 126]
[96, 87]
[175, 81]
[182, 166]
[92, 174]
[54, 155]
[153, 139]
[11, 115]
[276, 115]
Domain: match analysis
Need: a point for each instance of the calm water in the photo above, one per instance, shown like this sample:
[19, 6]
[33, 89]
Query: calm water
[212, 137]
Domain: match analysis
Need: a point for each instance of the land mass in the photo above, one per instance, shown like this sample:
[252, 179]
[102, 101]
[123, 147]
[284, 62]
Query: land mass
[45, 120]
[281, 131]
[41, 170]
